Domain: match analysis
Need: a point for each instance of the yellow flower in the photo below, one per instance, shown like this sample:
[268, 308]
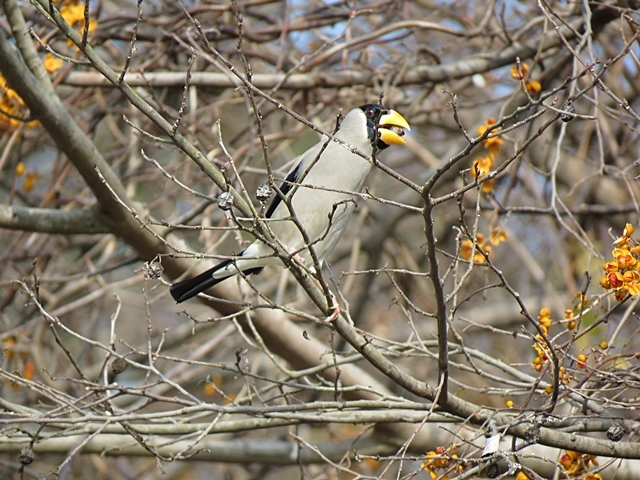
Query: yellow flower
[520, 72]
[533, 86]
[72, 12]
[20, 168]
[30, 181]
[467, 251]
[633, 289]
[626, 235]
[593, 476]
[498, 236]
[442, 457]
[482, 165]
[492, 144]
[11, 105]
[487, 186]
[624, 259]
[576, 464]
[51, 63]
[93, 24]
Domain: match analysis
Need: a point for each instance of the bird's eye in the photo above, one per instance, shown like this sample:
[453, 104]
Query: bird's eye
[370, 112]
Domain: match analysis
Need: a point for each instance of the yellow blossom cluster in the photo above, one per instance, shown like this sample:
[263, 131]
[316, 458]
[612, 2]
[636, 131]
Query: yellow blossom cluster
[545, 319]
[441, 458]
[623, 274]
[577, 464]
[30, 178]
[571, 314]
[468, 252]
[13, 110]
[540, 346]
[73, 12]
[542, 349]
[482, 165]
[521, 72]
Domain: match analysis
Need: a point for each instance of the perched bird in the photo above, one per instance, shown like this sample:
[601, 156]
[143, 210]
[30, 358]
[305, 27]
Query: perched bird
[320, 188]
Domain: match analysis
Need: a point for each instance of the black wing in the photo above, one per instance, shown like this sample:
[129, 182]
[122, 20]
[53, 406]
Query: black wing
[288, 183]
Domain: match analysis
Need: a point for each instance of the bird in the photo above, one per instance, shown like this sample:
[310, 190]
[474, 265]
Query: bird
[320, 189]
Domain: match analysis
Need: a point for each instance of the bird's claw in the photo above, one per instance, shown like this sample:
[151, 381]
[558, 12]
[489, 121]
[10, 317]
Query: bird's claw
[300, 260]
[336, 310]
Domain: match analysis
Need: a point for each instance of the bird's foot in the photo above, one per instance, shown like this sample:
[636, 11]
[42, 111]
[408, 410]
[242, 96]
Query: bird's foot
[300, 260]
[336, 310]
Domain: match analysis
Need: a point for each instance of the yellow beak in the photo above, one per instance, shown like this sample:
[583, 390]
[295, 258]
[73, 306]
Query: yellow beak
[391, 127]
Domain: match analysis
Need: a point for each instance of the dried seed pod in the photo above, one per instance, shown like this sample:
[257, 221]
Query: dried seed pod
[569, 108]
[263, 192]
[492, 470]
[225, 201]
[119, 365]
[615, 432]
[152, 269]
[26, 456]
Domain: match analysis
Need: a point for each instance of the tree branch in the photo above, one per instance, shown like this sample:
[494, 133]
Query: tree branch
[48, 220]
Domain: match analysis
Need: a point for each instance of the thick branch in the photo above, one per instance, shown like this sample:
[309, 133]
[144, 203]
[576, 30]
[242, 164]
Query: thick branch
[267, 452]
[47, 220]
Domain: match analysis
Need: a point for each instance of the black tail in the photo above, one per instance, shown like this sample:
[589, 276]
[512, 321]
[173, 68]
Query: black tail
[186, 289]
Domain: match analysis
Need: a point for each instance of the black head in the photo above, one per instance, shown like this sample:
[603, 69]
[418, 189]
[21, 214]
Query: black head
[384, 126]
[373, 112]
